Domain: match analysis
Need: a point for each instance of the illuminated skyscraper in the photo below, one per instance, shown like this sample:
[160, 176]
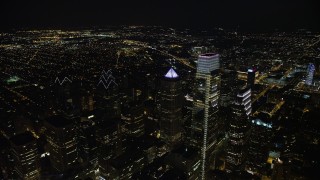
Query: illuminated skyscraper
[171, 107]
[310, 72]
[205, 123]
[241, 110]
[26, 157]
[62, 143]
[251, 77]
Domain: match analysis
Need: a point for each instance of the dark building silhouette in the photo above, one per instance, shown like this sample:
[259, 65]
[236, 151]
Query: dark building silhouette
[259, 144]
[133, 117]
[26, 157]
[128, 163]
[229, 87]
[62, 142]
[87, 142]
[251, 77]
[107, 95]
[109, 138]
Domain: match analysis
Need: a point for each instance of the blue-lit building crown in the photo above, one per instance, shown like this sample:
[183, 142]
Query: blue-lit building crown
[310, 72]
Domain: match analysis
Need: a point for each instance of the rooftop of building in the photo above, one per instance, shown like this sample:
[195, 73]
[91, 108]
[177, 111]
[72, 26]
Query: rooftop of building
[4, 143]
[22, 139]
[186, 152]
[171, 74]
[244, 89]
[208, 54]
[174, 173]
[59, 121]
[126, 159]
[143, 142]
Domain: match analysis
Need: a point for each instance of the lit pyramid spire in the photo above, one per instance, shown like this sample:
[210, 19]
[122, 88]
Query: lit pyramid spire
[171, 74]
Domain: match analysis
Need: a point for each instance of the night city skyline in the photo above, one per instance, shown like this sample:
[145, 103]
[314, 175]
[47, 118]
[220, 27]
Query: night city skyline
[148, 90]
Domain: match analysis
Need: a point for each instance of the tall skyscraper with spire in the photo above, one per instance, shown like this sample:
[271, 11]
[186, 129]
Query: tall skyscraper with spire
[171, 107]
[205, 123]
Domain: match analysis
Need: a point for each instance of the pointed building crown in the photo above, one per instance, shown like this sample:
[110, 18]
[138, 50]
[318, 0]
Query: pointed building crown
[171, 74]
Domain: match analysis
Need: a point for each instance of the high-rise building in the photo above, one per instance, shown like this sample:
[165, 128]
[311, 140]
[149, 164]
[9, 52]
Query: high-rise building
[26, 157]
[171, 107]
[251, 77]
[107, 95]
[310, 72]
[133, 116]
[187, 117]
[109, 138]
[205, 123]
[6, 159]
[258, 143]
[87, 142]
[241, 110]
[64, 92]
[62, 142]
[229, 87]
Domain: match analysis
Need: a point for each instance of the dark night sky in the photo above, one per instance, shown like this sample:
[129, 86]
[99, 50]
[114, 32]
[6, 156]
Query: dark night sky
[248, 14]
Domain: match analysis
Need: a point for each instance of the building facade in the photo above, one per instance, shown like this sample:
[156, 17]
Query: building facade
[62, 143]
[205, 123]
[171, 108]
[238, 129]
[26, 157]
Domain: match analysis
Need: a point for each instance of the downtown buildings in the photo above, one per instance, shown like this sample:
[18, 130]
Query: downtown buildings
[117, 114]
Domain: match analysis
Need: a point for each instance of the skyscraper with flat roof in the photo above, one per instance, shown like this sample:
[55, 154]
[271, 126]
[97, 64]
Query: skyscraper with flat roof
[205, 123]
[62, 142]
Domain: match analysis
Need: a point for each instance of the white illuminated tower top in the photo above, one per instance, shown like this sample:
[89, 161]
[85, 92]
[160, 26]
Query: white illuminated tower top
[171, 74]
[208, 63]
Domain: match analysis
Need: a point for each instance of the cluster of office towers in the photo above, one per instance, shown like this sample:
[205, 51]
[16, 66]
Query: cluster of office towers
[204, 132]
[207, 129]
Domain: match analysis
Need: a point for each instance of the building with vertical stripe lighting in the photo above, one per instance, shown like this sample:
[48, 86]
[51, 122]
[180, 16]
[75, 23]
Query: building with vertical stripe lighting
[205, 123]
